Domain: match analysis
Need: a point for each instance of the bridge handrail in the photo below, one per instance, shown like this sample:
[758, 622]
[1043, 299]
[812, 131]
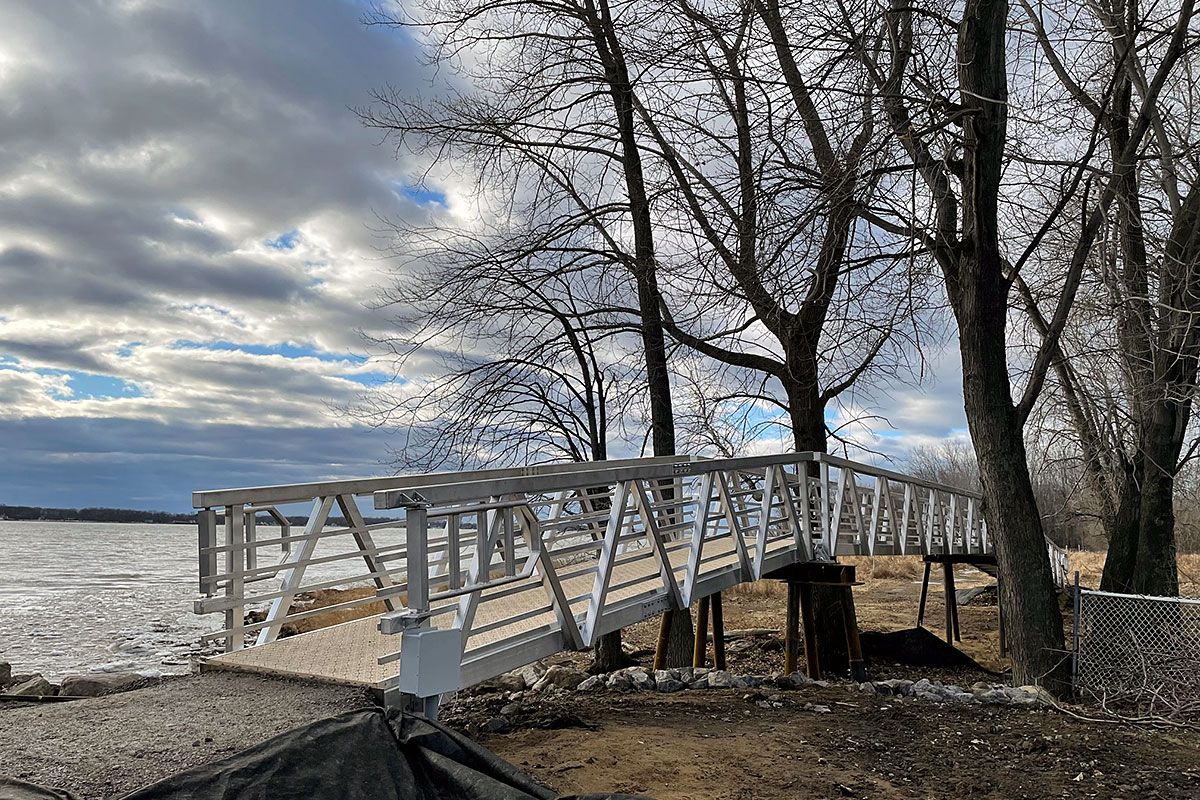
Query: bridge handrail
[283, 494]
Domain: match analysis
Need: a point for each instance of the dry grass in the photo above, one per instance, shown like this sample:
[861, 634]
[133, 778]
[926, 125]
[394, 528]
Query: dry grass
[887, 568]
[1090, 565]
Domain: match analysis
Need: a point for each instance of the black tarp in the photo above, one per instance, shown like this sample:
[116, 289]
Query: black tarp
[360, 755]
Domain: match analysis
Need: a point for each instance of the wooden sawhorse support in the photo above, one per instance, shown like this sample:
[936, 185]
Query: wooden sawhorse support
[800, 580]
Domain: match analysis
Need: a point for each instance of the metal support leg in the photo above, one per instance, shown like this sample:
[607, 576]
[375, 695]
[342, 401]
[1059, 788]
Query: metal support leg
[431, 705]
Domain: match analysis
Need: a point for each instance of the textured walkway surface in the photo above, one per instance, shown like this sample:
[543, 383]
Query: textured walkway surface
[349, 653]
[108, 746]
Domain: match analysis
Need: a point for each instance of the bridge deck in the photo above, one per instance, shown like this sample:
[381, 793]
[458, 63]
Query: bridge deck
[349, 653]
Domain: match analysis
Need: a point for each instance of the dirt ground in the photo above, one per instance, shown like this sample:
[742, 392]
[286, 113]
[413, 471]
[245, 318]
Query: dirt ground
[724, 745]
[719, 746]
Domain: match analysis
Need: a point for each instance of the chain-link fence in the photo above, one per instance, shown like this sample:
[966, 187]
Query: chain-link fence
[1139, 652]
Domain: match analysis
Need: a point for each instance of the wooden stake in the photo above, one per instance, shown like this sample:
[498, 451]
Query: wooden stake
[718, 632]
[700, 649]
[924, 596]
[810, 631]
[791, 633]
[853, 645]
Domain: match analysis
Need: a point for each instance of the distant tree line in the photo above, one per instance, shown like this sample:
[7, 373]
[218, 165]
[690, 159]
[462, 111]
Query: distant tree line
[34, 513]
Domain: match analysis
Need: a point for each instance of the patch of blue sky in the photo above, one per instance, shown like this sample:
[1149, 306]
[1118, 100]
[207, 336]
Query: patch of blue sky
[285, 349]
[126, 350]
[284, 241]
[423, 196]
[94, 386]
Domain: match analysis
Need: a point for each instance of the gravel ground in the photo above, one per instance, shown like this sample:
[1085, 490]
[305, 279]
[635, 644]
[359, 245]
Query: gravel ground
[108, 746]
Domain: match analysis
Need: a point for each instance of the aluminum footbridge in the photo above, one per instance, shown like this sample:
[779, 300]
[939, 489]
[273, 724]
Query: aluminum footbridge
[473, 574]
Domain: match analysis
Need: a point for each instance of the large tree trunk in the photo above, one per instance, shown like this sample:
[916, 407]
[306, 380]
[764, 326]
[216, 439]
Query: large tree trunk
[807, 413]
[1155, 571]
[1122, 530]
[979, 294]
[644, 268]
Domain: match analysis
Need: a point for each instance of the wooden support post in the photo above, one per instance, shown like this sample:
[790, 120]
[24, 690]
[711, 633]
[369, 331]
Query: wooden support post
[810, 631]
[853, 645]
[718, 632]
[791, 633]
[951, 602]
[700, 649]
[924, 596]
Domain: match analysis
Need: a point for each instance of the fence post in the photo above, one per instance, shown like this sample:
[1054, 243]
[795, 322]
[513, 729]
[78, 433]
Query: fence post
[1075, 634]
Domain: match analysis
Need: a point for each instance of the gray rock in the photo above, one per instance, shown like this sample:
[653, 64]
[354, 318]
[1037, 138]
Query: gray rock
[532, 673]
[897, 686]
[699, 683]
[641, 680]
[5, 673]
[619, 682]
[923, 685]
[661, 675]
[592, 684]
[510, 709]
[496, 725]
[559, 677]
[794, 681]
[1037, 693]
[96, 685]
[700, 672]
[512, 682]
[994, 697]
[35, 686]
[817, 708]
[746, 681]
[719, 679]
[670, 685]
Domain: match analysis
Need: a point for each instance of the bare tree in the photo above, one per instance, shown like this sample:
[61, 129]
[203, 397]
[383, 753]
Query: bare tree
[962, 182]
[1130, 403]
[550, 92]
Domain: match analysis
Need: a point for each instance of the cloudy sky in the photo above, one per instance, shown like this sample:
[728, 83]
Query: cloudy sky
[186, 254]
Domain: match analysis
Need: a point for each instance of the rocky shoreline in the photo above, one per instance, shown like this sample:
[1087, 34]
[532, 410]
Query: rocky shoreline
[35, 686]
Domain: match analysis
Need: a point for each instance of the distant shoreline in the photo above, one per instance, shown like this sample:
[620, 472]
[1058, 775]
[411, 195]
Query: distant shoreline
[133, 516]
[92, 514]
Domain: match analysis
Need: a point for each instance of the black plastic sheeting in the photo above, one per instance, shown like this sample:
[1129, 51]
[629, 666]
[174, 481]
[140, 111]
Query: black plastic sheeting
[360, 755]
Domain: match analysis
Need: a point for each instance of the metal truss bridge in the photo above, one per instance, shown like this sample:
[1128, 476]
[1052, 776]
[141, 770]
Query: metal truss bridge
[482, 572]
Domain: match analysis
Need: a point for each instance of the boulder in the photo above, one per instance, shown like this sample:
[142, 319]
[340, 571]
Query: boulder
[641, 680]
[661, 675]
[532, 673]
[747, 681]
[592, 684]
[794, 681]
[5, 673]
[560, 677]
[699, 683]
[36, 686]
[96, 685]
[619, 682]
[719, 679]
[669, 685]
